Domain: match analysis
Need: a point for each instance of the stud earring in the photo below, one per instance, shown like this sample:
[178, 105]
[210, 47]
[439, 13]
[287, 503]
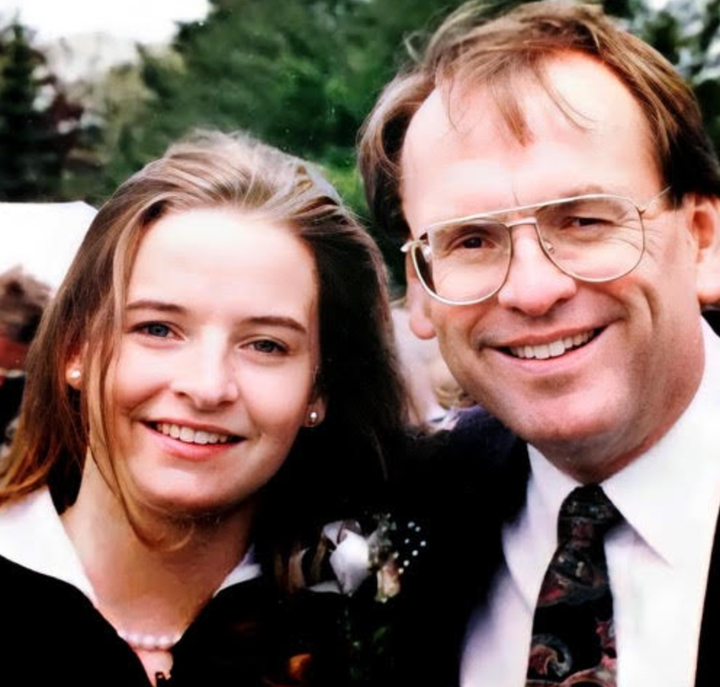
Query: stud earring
[313, 418]
[75, 375]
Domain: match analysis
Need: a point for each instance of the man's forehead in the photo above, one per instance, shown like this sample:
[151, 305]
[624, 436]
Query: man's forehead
[576, 90]
[465, 125]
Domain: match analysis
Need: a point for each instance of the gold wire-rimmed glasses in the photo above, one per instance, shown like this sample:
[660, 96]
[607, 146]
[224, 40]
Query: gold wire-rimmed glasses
[596, 237]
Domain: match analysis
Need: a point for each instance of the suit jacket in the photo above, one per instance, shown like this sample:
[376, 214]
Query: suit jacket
[466, 485]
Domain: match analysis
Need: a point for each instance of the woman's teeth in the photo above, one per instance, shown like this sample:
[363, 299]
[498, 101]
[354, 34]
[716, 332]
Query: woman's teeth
[191, 436]
[554, 348]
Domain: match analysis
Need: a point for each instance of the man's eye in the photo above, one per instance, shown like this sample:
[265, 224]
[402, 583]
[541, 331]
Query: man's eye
[581, 222]
[473, 242]
[466, 241]
[467, 238]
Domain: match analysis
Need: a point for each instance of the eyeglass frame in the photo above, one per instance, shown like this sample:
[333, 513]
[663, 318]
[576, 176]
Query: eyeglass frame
[422, 241]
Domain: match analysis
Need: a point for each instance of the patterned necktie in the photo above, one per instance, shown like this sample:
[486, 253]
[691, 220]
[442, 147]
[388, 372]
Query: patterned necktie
[573, 639]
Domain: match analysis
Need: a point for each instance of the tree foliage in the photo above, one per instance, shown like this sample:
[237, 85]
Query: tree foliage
[39, 125]
[687, 32]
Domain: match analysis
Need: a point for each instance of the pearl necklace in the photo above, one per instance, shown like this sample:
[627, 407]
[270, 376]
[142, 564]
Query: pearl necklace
[147, 642]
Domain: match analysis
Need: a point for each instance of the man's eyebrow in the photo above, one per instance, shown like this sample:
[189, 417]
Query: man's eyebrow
[582, 189]
[593, 188]
[161, 306]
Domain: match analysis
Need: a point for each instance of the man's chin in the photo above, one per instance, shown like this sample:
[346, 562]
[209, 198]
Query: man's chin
[589, 449]
[563, 430]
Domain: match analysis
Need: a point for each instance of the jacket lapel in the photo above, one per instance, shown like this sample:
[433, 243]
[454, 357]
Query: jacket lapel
[706, 675]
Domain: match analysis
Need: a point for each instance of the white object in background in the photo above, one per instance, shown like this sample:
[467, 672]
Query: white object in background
[42, 237]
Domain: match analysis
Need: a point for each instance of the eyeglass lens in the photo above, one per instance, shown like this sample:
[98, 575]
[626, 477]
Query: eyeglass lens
[591, 238]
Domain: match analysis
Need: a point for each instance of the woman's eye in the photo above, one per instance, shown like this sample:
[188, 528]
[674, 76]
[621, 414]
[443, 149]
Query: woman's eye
[156, 329]
[267, 346]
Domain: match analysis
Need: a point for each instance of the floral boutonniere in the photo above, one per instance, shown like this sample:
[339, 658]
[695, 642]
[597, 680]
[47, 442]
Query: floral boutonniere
[345, 558]
[357, 568]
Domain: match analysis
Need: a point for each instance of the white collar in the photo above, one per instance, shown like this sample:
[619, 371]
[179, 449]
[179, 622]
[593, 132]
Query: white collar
[33, 536]
[673, 488]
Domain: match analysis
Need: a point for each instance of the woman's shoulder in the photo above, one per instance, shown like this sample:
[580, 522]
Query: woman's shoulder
[52, 634]
[33, 536]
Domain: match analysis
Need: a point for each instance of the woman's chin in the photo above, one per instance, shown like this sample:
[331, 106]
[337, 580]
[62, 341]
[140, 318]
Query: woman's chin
[185, 508]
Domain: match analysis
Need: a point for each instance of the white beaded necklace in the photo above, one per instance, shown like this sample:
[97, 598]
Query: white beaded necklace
[147, 642]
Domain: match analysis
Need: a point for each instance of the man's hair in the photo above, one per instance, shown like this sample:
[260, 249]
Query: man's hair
[472, 48]
[357, 373]
[22, 302]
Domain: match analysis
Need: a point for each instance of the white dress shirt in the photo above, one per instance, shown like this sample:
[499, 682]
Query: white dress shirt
[658, 559]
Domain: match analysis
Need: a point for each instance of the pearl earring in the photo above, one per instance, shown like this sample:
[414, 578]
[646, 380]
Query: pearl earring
[75, 375]
[313, 418]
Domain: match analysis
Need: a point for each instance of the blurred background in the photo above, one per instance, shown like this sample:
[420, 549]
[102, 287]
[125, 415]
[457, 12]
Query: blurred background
[90, 91]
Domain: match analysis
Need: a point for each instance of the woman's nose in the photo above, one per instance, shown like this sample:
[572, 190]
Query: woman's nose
[210, 379]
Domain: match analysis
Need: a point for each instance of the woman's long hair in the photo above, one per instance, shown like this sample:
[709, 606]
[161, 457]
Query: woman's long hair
[332, 469]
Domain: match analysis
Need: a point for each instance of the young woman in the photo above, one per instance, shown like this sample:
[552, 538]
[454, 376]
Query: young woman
[213, 381]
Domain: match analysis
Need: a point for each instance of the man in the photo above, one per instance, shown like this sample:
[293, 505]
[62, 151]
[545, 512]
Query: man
[22, 302]
[560, 207]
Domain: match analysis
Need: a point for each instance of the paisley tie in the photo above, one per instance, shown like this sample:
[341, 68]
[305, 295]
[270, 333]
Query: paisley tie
[573, 639]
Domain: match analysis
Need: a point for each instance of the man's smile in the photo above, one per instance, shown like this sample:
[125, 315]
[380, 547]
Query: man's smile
[552, 349]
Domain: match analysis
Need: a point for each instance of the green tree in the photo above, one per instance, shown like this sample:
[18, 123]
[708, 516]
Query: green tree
[39, 125]
[688, 34]
[276, 69]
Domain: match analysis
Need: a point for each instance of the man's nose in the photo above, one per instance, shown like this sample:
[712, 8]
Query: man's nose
[210, 378]
[534, 284]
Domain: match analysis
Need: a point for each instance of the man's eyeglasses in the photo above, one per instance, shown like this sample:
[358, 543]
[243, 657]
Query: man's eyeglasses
[594, 238]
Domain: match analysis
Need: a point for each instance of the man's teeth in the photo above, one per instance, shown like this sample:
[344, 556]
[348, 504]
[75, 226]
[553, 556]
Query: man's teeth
[552, 349]
[191, 436]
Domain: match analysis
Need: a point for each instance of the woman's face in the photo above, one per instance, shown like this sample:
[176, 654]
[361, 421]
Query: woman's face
[214, 373]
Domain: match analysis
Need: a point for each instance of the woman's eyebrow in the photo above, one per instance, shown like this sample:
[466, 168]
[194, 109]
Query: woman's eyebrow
[278, 321]
[270, 320]
[162, 306]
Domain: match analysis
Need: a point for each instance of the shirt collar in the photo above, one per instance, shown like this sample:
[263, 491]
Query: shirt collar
[33, 536]
[673, 488]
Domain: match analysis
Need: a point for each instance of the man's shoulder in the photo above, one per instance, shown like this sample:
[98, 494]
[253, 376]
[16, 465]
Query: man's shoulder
[478, 448]
[460, 487]
[478, 468]
[479, 430]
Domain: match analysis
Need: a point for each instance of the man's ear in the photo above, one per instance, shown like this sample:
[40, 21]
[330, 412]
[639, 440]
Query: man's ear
[418, 304]
[704, 222]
